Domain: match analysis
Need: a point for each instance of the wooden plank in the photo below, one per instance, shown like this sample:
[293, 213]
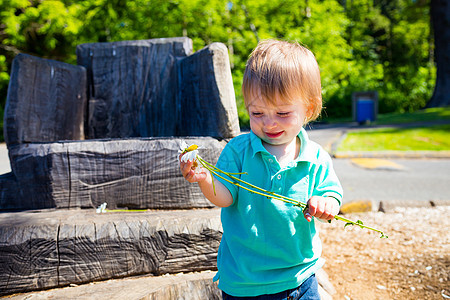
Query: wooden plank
[56, 248]
[133, 173]
[9, 199]
[195, 286]
[28, 257]
[208, 104]
[147, 89]
[46, 101]
[133, 86]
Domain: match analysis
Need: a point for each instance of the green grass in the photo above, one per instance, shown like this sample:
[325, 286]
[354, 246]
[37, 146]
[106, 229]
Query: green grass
[433, 138]
[424, 115]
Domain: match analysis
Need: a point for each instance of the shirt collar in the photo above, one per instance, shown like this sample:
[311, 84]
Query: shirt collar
[306, 153]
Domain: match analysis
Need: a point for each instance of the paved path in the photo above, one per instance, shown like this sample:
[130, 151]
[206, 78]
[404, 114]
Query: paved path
[398, 182]
[4, 160]
[393, 179]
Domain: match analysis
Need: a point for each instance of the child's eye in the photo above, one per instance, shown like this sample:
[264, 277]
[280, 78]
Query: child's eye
[283, 114]
[256, 114]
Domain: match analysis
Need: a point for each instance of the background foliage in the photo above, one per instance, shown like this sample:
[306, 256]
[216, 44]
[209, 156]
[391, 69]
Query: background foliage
[383, 45]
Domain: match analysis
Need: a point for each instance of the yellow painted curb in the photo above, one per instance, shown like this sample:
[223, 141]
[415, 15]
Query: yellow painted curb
[376, 163]
[356, 207]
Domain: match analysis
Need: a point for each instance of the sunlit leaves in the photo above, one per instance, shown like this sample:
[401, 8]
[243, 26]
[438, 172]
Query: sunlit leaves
[359, 44]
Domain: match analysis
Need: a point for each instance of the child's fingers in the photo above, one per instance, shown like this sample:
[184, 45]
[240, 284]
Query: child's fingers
[310, 210]
[331, 209]
[313, 206]
[191, 173]
[196, 176]
[319, 207]
[307, 216]
[186, 168]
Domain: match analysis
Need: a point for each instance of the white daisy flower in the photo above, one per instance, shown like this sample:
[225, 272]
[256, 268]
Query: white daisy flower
[189, 152]
[101, 208]
[183, 147]
[189, 156]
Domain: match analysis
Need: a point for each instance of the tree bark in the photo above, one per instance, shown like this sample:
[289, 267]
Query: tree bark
[440, 19]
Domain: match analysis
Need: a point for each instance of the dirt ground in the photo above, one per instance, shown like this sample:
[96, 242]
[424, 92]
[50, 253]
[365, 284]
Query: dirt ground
[413, 263]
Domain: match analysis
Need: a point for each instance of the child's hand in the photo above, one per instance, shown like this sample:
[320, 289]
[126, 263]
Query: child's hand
[191, 172]
[324, 208]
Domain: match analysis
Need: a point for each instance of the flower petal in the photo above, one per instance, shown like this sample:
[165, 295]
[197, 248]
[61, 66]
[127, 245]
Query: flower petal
[183, 146]
[189, 156]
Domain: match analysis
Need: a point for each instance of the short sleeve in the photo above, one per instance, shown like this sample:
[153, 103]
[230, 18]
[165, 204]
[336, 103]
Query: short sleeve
[326, 182]
[230, 162]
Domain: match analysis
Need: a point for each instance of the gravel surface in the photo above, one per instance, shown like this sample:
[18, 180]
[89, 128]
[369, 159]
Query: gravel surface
[413, 263]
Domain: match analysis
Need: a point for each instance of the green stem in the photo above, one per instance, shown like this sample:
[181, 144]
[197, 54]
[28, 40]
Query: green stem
[268, 194]
[259, 191]
[246, 188]
[360, 224]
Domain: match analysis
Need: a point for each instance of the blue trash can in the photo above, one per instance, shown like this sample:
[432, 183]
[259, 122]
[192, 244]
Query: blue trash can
[365, 110]
[365, 106]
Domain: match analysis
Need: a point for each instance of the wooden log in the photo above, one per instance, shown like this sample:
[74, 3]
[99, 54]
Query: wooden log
[46, 101]
[61, 247]
[191, 286]
[132, 173]
[208, 103]
[28, 256]
[155, 88]
[9, 199]
[133, 86]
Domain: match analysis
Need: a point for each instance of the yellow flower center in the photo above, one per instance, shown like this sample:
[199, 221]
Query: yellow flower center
[191, 148]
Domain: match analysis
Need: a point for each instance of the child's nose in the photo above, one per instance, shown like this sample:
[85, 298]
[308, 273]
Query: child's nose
[269, 122]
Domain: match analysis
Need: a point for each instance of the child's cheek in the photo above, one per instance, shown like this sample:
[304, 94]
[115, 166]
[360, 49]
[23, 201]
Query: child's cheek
[255, 121]
[292, 120]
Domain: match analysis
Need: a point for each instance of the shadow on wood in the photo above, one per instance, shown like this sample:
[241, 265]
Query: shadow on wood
[56, 248]
[155, 91]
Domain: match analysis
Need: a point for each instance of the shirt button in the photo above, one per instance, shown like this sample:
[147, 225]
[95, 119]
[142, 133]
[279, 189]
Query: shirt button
[271, 160]
[279, 176]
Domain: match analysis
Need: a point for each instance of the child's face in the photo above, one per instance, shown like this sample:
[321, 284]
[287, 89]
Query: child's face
[277, 124]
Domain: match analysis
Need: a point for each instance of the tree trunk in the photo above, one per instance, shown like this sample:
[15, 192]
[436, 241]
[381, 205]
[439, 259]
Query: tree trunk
[440, 18]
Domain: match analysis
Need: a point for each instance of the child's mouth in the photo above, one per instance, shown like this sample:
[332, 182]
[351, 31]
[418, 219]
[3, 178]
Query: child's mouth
[273, 135]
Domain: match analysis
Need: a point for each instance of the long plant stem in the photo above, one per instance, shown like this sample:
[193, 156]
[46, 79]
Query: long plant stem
[259, 191]
[214, 169]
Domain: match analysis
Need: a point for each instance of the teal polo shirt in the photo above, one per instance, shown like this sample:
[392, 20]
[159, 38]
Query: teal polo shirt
[267, 245]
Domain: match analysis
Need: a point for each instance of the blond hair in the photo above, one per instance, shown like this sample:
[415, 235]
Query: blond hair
[285, 69]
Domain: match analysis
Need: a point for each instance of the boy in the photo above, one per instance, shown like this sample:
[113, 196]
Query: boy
[269, 248]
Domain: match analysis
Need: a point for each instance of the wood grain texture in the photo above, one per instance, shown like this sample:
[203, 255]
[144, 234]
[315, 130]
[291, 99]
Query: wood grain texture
[208, 104]
[132, 173]
[187, 286]
[133, 86]
[46, 101]
[9, 199]
[56, 248]
[155, 88]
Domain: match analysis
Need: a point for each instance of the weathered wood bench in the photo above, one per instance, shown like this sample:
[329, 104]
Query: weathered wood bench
[109, 130]
[55, 248]
[154, 91]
